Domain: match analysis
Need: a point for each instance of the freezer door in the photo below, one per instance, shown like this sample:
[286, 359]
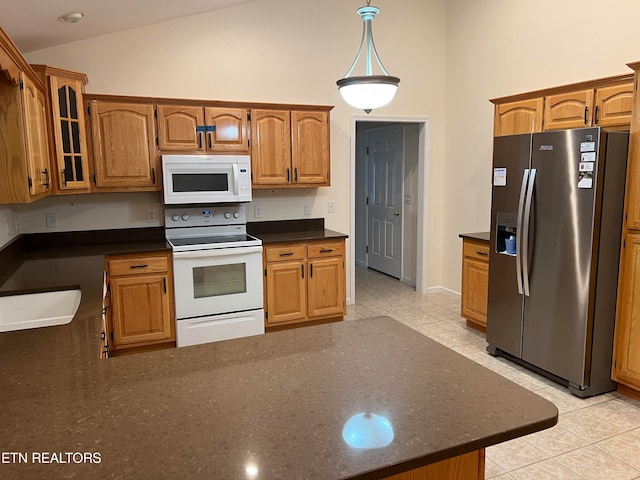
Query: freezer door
[504, 311]
[556, 314]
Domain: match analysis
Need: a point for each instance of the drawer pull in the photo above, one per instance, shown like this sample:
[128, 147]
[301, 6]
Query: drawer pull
[139, 266]
[326, 250]
[480, 252]
[288, 254]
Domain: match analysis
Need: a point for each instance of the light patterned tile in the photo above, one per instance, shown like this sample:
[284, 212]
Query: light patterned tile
[504, 476]
[618, 413]
[514, 454]
[545, 470]
[587, 426]
[591, 463]
[555, 441]
[492, 469]
[625, 447]
[561, 399]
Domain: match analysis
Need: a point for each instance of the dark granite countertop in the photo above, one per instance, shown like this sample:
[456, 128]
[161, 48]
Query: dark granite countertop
[283, 231]
[481, 236]
[276, 402]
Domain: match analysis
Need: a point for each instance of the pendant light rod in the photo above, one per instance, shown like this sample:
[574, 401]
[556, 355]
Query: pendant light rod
[368, 13]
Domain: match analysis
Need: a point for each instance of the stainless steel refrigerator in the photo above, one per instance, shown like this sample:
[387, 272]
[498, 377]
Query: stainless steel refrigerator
[559, 197]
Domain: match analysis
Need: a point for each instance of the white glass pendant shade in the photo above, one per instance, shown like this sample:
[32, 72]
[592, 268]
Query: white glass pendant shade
[368, 91]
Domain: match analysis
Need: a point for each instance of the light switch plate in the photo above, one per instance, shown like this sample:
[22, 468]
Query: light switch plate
[257, 211]
[307, 209]
[331, 206]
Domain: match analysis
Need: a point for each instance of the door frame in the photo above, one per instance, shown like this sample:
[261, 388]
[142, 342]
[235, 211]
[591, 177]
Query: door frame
[368, 194]
[424, 161]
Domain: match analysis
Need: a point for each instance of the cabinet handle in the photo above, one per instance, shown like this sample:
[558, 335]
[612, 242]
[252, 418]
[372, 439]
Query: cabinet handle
[586, 110]
[199, 139]
[295, 174]
[303, 270]
[595, 115]
[484, 254]
[288, 254]
[153, 175]
[45, 172]
[326, 250]
[64, 179]
[164, 284]
[311, 270]
[139, 266]
[288, 175]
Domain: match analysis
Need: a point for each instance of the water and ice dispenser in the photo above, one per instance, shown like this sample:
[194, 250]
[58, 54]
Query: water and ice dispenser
[506, 233]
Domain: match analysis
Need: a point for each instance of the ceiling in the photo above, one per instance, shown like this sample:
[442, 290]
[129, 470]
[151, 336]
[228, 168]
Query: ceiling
[34, 24]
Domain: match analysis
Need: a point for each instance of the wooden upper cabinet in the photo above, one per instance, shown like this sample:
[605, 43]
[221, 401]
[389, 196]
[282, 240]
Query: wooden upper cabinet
[513, 118]
[613, 105]
[310, 147]
[200, 130]
[271, 147]
[35, 125]
[124, 146]
[227, 130]
[568, 110]
[178, 128]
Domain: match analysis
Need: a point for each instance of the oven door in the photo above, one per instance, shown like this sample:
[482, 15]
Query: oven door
[222, 280]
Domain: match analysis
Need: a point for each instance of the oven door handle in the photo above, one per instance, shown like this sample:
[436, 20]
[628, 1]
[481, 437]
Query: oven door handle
[217, 252]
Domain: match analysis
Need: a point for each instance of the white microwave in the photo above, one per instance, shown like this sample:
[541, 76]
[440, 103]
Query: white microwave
[206, 178]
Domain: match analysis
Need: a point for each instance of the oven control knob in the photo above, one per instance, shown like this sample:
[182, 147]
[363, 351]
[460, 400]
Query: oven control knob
[175, 218]
[236, 215]
[227, 215]
[185, 217]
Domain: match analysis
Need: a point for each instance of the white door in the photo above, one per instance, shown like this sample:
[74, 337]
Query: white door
[384, 224]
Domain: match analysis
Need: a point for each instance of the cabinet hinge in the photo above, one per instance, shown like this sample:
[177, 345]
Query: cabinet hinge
[112, 337]
[266, 314]
[265, 272]
[94, 179]
[21, 85]
[366, 249]
[157, 142]
[88, 109]
[248, 117]
[366, 201]
[366, 150]
[30, 182]
[155, 112]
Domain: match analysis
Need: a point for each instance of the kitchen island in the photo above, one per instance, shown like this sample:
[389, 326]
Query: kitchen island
[269, 406]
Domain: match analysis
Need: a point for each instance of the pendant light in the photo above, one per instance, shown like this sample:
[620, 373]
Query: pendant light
[369, 91]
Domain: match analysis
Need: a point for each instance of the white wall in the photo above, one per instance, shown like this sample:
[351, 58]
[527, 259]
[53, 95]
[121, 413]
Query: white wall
[288, 51]
[497, 48]
[8, 224]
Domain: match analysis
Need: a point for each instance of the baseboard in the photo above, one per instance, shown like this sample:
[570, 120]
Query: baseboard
[360, 263]
[444, 291]
[408, 281]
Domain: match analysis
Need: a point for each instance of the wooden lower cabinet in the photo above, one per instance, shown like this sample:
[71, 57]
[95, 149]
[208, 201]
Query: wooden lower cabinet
[469, 466]
[475, 282]
[140, 288]
[626, 352]
[304, 281]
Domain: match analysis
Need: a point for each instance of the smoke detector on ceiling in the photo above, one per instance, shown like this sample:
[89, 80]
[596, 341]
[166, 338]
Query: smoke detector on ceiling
[72, 17]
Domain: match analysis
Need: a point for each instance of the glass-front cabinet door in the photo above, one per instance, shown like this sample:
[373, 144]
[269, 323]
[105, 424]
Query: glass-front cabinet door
[70, 134]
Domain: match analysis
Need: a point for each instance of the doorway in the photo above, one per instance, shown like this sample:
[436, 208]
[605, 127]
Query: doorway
[412, 203]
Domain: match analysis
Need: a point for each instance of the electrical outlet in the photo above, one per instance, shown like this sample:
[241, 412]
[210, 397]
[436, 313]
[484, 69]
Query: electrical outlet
[152, 215]
[307, 209]
[257, 211]
[52, 220]
[331, 206]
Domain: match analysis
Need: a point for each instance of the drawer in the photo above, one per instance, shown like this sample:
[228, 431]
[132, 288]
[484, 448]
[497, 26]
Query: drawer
[325, 249]
[479, 250]
[132, 266]
[284, 252]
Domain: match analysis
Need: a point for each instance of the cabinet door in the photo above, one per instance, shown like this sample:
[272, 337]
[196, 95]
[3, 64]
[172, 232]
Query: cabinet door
[626, 367]
[475, 288]
[70, 133]
[518, 117]
[227, 130]
[310, 147]
[568, 110]
[270, 147]
[326, 287]
[286, 292]
[178, 128]
[124, 147]
[35, 125]
[613, 105]
[141, 309]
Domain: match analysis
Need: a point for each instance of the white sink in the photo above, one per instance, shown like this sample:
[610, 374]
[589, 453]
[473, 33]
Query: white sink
[34, 310]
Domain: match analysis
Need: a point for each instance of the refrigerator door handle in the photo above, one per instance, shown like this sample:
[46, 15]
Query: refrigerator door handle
[523, 190]
[525, 235]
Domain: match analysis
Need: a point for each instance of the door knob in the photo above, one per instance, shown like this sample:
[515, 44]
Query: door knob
[396, 213]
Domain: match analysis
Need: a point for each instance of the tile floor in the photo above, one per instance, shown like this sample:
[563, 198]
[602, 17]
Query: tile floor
[596, 438]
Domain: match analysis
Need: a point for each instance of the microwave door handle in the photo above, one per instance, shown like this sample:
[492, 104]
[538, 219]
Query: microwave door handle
[217, 252]
[234, 180]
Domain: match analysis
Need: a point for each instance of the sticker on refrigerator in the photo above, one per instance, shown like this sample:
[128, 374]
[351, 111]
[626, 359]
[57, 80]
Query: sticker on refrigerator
[585, 180]
[586, 166]
[499, 177]
[588, 157]
[588, 146]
